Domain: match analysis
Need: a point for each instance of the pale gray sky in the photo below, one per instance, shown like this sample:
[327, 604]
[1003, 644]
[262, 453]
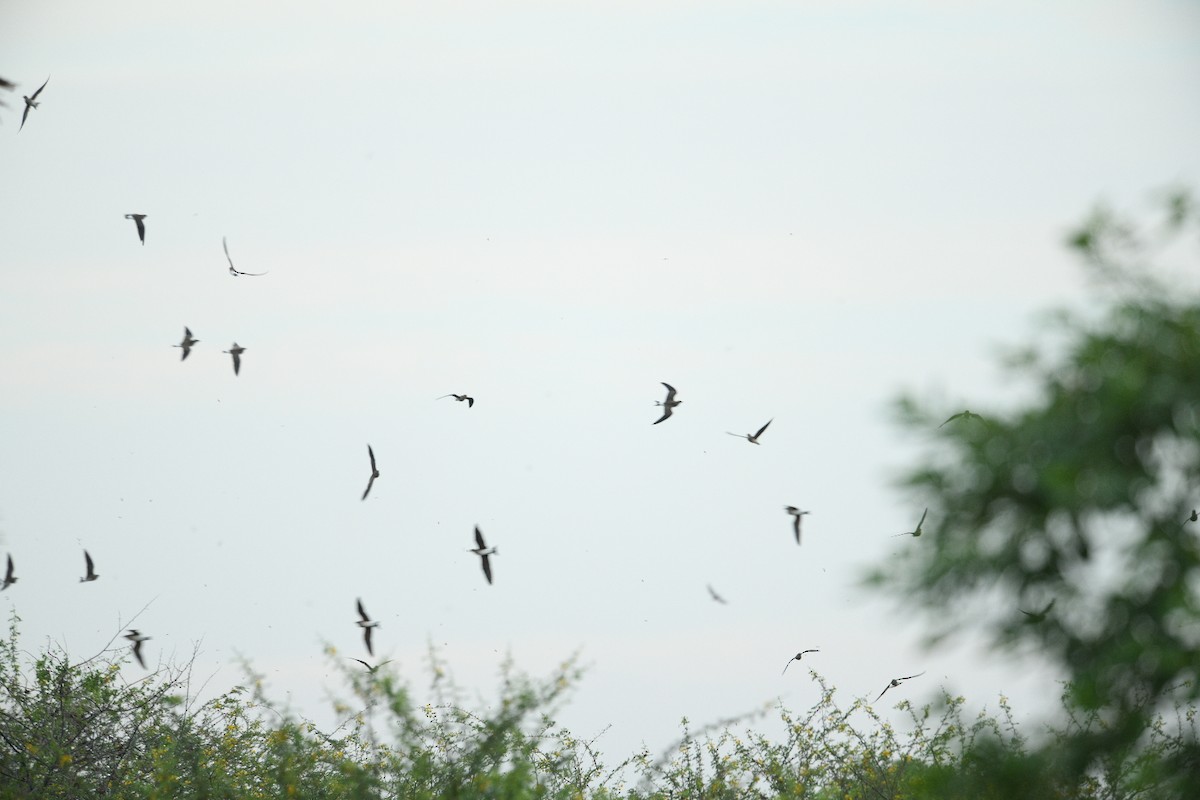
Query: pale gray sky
[786, 210]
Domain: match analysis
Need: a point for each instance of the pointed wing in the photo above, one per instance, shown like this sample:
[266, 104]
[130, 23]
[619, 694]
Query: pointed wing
[370, 483]
[670, 391]
[137, 652]
[470, 402]
[666, 413]
[923, 515]
[479, 539]
[24, 116]
[8, 575]
[362, 612]
[910, 677]
[39, 91]
[91, 569]
[487, 568]
[225, 244]
[763, 428]
[141, 226]
[367, 639]
[796, 526]
[237, 362]
[371, 453]
[359, 660]
[881, 694]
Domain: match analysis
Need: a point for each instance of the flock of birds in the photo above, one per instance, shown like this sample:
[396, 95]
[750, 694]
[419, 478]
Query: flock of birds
[669, 404]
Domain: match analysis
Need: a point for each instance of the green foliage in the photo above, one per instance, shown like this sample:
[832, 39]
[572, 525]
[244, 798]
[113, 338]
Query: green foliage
[1077, 510]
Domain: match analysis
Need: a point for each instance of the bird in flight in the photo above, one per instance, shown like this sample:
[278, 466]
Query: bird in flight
[235, 351]
[483, 551]
[917, 532]
[367, 624]
[713, 593]
[234, 271]
[896, 682]
[460, 398]
[965, 414]
[187, 343]
[669, 404]
[1193, 518]
[137, 638]
[1038, 616]
[797, 514]
[796, 657]
[374, 473]
[752, 439]
[9, 580]
[141, 226]
[31, 103]
[370, 669]
[91, 569]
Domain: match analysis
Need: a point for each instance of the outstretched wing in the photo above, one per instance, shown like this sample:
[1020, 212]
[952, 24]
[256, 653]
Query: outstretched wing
[479, 539]
[39, 91]
[763, 428]
[487, 568]
[666, 413]
[362, 612]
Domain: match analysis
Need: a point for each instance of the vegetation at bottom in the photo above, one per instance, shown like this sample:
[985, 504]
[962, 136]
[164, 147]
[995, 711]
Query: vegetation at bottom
[1066, 525]
[81, 730]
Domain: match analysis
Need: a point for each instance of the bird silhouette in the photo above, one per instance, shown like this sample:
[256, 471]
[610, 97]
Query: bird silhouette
[9, 578]
[374, 473]
[916, 532]
[896, 682]
[796, 657]
[137, 638]
[368, 625]
[796, 514]
[1035, 617]
[235, 351]
[91, 570]
[483, 551]
[187, 343]
[669, 404]
[713, 593]
[141, 226]
[460, 398]
[31, 103]
[965, 414]
[370, 669]
[752, 439]
[234, 271]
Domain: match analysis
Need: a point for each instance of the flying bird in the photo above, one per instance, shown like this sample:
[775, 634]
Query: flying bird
[713, 593]
[367, 624]
[91, 569]
[752, 439]
[896, 682]
[796, 657]
[1193, 518]
[9, 580]
[31, 102]
[966, 414]
[797, 514]
[1039, 616]
[483, 551]
[917, 532]
[137, 638]
[141, 226]
[669, 404]
[234, 271]
[188, 341]
[460, 398]
[370, 669]
[374, 473]
[235, 351]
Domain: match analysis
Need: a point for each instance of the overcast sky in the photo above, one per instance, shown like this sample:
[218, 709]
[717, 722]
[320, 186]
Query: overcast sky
[790, 211]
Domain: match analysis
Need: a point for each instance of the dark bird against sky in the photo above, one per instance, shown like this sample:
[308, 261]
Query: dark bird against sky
[9, 579]
[484, 552]
[374, 473]
[91, 569]
[669, 404]
[752, 438]
[797, 657]
[235, 351]
[188, 341]
[965, 414]
[234, 271]
[896, 682]
[916, 532]
[138, 220]
[368, 625]
[796, 514]
[460, 398]
[137, 638]
[31, 103]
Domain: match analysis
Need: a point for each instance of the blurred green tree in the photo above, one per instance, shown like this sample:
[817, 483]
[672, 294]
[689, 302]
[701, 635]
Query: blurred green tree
[1068, 523]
